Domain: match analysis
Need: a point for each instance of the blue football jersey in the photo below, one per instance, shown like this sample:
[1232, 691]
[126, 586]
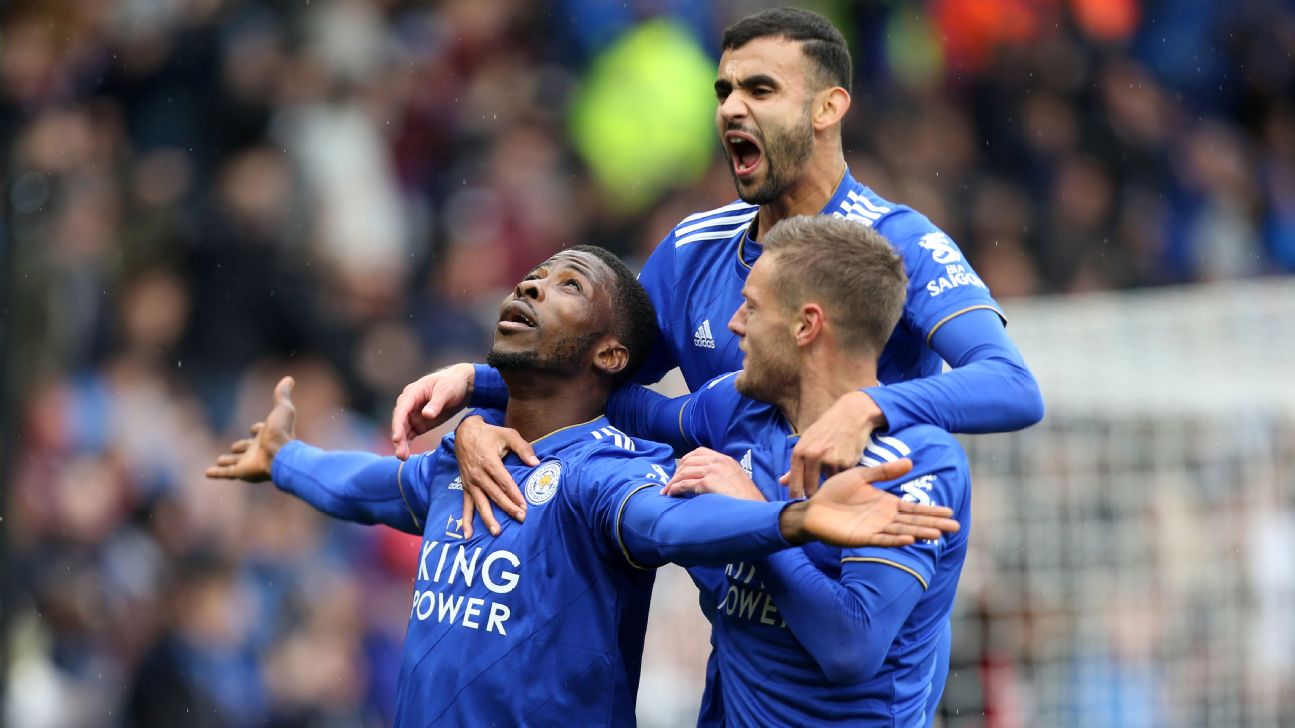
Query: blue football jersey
[696, 274]
[544, 623]
[760, 672]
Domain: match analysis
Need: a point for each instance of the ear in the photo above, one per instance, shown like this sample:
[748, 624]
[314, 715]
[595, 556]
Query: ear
[830, 106]
[611, 356]
[809, 323]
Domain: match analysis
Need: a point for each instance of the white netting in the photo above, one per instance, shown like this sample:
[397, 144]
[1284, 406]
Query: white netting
[1133, 557]
[1134, 554]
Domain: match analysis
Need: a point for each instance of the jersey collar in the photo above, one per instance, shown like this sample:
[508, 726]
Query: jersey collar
[748, 248]
[559, 440]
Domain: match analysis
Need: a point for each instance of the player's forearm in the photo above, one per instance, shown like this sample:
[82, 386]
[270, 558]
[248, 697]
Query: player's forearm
[705, 529]
[989, 389]
[846, 627]
[992, 395]
[644, 413]
[488, 388]
[353, 486]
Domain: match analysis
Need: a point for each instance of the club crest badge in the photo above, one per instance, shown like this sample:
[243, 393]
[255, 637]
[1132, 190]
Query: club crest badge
[543, 483]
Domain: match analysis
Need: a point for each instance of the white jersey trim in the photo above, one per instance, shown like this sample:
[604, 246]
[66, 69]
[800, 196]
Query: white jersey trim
[681, 232]
[713, 235]
[865, 202]
[699, 215]
[895, 444]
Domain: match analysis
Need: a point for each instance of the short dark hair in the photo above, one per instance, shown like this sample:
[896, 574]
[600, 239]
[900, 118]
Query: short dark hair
[634, 317]
[820, 40]
[848, 268]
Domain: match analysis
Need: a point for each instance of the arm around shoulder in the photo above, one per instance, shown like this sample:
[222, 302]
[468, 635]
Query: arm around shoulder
[989, 389]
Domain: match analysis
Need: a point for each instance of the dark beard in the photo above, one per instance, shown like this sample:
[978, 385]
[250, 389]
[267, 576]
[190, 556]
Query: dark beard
[566, 355]
[513, 361]
[785, 153]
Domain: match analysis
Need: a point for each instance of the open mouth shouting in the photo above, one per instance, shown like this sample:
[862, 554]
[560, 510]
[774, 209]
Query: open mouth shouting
[516, 315]
[744, 152]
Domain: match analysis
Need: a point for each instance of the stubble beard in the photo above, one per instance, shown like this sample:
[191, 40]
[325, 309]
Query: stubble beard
[773, 380]
[785, 153]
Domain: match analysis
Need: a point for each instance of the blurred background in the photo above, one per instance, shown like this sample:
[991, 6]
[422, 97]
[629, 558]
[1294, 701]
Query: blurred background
[202, 195]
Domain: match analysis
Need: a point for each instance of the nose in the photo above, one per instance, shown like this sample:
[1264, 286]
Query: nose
[732, 109]
[529, 288]
[737, 324]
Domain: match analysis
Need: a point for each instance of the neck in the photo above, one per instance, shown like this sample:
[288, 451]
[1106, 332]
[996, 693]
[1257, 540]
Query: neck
[541, 402]
[812, 190]
[823, 380]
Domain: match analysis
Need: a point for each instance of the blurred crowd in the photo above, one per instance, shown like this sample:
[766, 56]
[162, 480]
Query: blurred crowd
[201, 195]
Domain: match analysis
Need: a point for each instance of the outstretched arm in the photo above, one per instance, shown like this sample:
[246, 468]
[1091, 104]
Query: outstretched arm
[353, 486]
[653, 529]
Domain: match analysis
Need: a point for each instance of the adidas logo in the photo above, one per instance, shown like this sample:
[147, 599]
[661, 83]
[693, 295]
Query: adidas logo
[746, 463]
[702, 338]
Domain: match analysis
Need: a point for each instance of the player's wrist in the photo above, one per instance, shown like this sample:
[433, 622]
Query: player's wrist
[471, 421]
[792, 523]
[870, 413]
[273, 438]
[465, 372]
[276, 457]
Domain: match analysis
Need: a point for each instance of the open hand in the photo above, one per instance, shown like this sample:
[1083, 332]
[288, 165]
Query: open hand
[849, 512]
[429, 403]
[480, 448]
[250, 458]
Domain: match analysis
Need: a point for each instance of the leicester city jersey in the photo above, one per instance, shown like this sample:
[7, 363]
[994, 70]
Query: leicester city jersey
[761, 674]
[696, 274]
[542, 624]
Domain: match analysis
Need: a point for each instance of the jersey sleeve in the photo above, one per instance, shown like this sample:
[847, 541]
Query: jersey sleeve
[488, 388]
[706, 416]
[641, 412]
[620, 496]
[658, 279]
[847, 626]
[492, 415]
[989, 389]
[693, 420]
[941, 283]
[358, 486]
[940, 476]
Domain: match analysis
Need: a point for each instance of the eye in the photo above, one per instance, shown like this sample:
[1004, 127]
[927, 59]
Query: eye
[575, 283]
[761, 91]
